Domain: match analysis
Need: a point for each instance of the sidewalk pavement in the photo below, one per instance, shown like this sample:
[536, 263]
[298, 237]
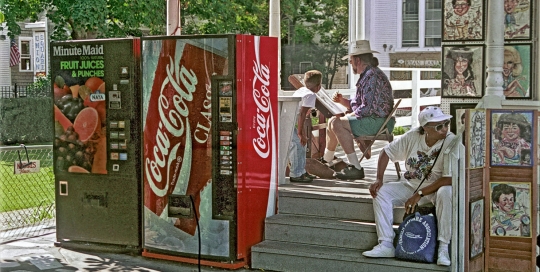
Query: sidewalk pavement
[40, 254]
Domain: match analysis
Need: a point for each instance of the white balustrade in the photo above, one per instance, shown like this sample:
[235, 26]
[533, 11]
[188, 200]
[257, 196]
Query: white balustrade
[414, 103]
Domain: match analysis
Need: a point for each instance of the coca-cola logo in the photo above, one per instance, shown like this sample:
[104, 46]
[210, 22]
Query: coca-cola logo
[174, 123]
[261, 96]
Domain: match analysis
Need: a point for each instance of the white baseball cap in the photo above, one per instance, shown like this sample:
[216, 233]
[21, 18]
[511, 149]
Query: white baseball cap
[432, 114]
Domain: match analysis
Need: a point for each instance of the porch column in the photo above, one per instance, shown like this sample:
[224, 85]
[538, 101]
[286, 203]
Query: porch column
[275, 31]
[357, 31]
[494, 56]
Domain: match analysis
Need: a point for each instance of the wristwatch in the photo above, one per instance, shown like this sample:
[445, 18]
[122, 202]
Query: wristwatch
[420, 193]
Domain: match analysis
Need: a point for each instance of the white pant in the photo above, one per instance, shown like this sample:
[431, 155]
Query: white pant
[394, 194]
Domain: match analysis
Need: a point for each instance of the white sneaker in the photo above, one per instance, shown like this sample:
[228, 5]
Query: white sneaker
[443, 258]
[380, 251]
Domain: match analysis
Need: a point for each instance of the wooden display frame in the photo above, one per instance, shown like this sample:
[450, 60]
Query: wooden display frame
[500, 253]
[512, 253]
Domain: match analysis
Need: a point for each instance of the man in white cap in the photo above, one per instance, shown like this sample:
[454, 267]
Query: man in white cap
[418, 148]
[369, 109]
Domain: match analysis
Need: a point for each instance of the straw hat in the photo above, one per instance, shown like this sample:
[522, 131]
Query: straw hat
[359, 48]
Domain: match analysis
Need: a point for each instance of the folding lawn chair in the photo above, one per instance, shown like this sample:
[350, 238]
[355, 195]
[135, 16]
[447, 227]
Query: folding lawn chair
[382, 135]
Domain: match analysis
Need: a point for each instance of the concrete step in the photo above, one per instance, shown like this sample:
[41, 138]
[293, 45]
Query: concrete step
[344, 233]
[284, 256]
[316, 199]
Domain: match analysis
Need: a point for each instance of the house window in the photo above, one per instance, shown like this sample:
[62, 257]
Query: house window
[421, 23]
[26, 54]
[433, 22]
[410, 23]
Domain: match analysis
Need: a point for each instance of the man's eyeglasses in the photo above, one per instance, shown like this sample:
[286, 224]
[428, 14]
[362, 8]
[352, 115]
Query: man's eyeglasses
[439, 127]
[461, 5]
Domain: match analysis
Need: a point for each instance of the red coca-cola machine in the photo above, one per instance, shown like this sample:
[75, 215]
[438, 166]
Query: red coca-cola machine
[209, 154]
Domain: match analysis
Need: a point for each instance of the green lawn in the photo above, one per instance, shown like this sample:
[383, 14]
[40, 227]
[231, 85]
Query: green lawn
[25, 190]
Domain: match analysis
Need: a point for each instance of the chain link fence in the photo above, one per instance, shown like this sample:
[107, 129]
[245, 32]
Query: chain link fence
[27, 199]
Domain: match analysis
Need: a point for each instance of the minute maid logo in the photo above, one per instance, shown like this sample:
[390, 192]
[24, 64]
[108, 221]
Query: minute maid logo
[78, 51]
[413, 230]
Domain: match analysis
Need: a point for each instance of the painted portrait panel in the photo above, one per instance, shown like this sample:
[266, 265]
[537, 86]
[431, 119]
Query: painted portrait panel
[517, 19]
[517, 70]
[463, 20]
[457, 110]
[510, 213]
[477, 138]
[511, 138]
[463, 71]
[476, 236]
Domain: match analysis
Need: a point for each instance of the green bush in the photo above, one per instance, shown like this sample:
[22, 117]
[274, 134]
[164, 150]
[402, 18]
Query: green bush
[40, 88]
[399, 130]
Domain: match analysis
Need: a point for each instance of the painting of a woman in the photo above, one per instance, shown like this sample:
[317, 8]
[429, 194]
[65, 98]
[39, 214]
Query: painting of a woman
[516, 71]
[459, 79]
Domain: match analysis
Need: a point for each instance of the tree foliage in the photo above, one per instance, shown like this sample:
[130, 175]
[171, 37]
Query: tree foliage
[317, 31]
[225, 16]
[314, 30]
[83, 19]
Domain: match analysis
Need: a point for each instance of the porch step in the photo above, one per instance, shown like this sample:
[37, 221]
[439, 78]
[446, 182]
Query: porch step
[325, 225]
[344, 202]
[285, 256]
[344, 233]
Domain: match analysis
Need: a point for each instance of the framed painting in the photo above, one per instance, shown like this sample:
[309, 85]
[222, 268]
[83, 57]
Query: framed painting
[463, 73]
[517, 19]
[517, 71]
[476, 226]
[457, 110]
[510, 213]
[512, 138]
[463, 20]
[477, 138]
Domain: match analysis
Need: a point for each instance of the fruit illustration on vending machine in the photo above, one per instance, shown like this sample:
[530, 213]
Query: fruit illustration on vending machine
[80, 132]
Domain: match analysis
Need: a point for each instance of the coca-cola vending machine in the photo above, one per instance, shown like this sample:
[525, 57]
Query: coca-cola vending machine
[209, 157]
[97, 142]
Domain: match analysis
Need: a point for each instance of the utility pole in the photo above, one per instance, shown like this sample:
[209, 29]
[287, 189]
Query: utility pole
[173, 18]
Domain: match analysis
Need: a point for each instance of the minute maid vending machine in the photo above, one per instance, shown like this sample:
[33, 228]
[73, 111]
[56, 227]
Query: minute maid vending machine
[97, 142]
[209, 157]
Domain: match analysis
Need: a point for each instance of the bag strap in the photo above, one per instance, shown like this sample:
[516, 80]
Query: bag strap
[429, 171]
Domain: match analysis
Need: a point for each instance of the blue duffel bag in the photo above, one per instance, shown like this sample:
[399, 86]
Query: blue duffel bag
[417, 238]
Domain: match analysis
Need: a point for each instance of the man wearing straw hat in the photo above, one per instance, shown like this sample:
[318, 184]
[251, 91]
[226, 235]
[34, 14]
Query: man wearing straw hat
[368, 109]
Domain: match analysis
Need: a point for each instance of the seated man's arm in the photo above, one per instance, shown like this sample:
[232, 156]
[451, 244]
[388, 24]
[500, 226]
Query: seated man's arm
[382, 163]
[430, 189]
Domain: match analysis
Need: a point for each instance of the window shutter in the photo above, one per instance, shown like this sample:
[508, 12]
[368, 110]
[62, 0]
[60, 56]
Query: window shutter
[5, 71]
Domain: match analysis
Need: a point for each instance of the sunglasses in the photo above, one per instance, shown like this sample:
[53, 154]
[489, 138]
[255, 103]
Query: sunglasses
[439, 127]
